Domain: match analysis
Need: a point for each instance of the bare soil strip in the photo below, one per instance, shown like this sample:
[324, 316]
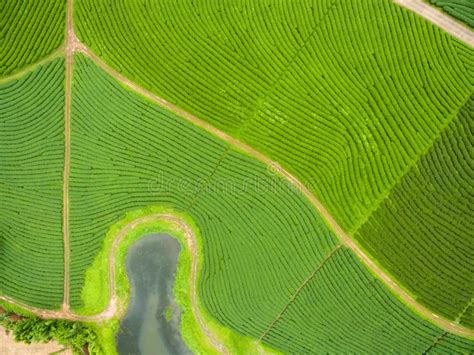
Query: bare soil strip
[69, 53]
[440, 19]
[8, 346]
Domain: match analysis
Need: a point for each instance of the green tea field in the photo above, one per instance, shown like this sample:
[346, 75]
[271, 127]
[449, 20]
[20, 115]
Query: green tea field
[313, 158]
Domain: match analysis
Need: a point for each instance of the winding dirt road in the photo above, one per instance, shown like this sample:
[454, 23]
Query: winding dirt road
[440, 19]
[74, 45]
[343, 236]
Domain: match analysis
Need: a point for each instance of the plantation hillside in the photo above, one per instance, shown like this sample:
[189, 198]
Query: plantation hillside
[314, 159]
[30, 31]
[31, 158]
[323, 91]
[268, 255]
[347, 95]
[430, 211]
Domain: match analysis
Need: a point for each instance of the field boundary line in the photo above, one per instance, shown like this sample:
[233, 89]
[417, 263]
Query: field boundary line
[440, 19]
[299, 289]
[343, 236]
[410, 166]
[57, 53]
[69, 54]
[209, 179]
[463, 312]
[436, 341]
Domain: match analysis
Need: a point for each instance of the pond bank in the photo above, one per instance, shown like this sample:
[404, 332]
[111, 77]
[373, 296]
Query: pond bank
[152, 322]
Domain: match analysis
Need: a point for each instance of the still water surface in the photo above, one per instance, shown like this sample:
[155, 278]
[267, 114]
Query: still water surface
[151, 325]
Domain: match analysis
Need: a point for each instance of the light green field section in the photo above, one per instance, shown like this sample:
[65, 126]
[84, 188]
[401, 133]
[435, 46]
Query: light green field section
[31, 160]
[345, 94]
[264, 245]
[31, 30]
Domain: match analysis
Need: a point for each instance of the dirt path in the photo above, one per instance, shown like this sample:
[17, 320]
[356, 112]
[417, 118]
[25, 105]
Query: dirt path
[440, 19]
[69, 53]
[57, 53]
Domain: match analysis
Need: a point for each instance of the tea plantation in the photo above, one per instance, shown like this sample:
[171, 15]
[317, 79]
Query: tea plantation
[113, 106]
[262, 240]
[430, 213]
[342, 93]
[30, 30]
[349, 104]
[31, 158]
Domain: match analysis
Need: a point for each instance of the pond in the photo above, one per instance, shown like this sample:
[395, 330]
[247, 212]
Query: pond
[151, 324]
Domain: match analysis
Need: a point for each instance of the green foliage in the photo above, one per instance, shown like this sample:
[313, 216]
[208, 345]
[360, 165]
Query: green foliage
[261, 239]
[74, 335]
[31, 29]
[31, 159]
[95, 292]
[164, 160]
[429, 214]
[10, 308]
[380, 317]
[467, 318]
[345, 94]
[461, 9]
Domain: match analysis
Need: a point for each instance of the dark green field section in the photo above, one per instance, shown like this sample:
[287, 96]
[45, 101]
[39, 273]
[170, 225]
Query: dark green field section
[463, 10]
[264, 245]
[350, 312]
[31, 29]
[31, 161]
[346, 94]
[430, 214]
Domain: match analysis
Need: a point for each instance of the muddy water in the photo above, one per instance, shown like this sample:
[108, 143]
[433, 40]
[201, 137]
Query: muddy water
[151, 325]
